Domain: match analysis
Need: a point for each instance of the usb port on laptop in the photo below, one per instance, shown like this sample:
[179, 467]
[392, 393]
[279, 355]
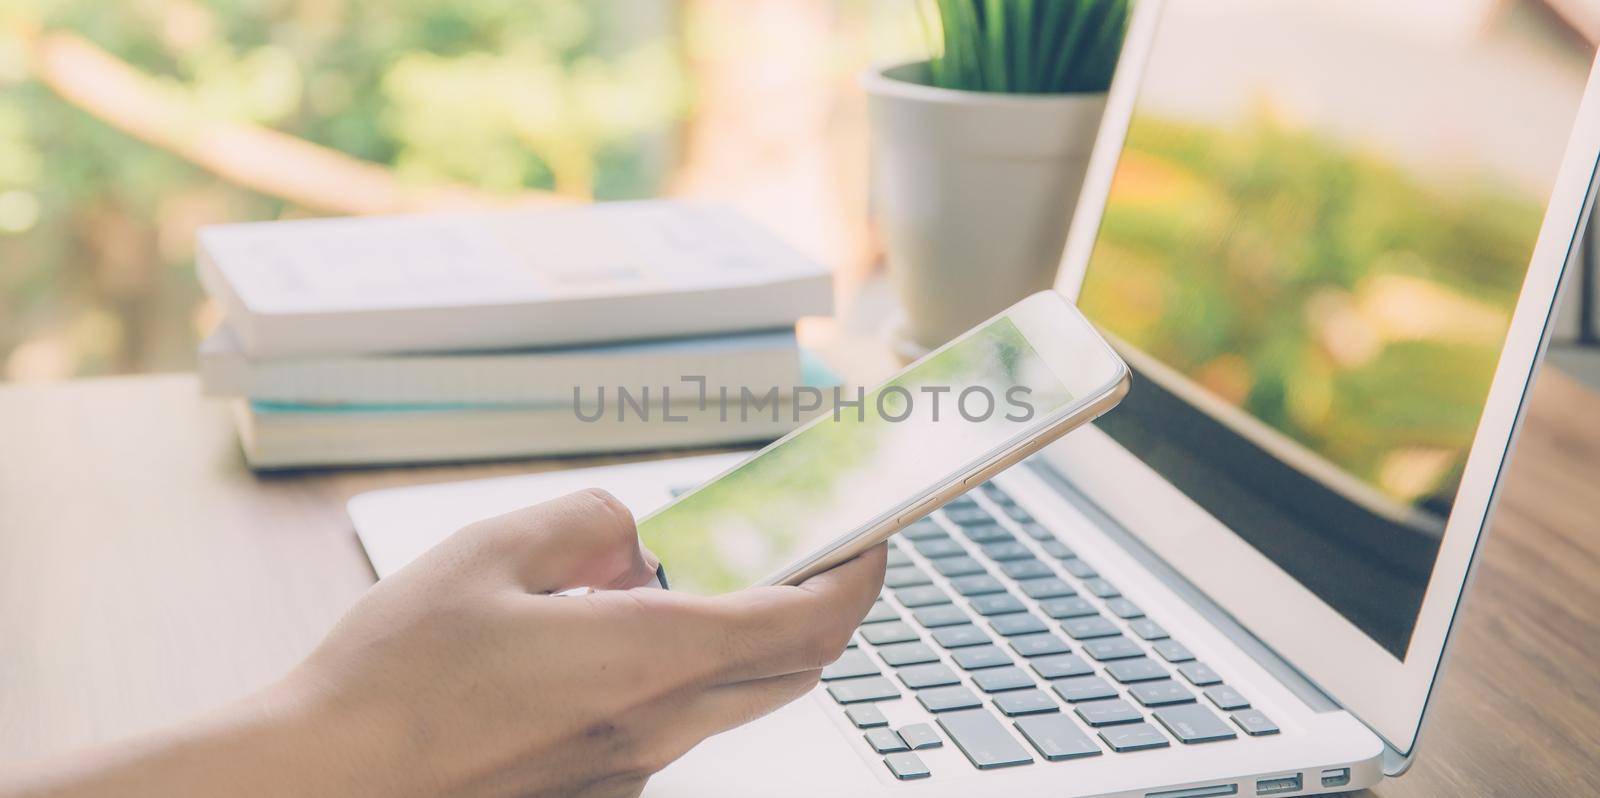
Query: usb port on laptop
[1279, 784]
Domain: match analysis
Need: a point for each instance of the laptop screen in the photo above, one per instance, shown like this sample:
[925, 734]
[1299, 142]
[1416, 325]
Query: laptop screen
[1316, 234]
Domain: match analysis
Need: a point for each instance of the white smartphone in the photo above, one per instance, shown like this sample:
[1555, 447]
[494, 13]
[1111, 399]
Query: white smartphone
[881, 459]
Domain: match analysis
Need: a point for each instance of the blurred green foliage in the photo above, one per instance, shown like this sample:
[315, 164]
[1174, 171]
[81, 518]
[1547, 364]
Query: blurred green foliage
[96, 227]
[1352, 303]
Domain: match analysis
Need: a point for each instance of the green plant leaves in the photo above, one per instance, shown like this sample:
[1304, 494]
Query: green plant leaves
[1028, 46]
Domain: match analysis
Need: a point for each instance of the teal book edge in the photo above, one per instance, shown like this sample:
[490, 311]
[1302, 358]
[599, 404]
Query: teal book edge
[813, 373]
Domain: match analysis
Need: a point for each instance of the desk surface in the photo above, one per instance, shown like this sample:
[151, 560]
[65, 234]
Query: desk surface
[146, 575]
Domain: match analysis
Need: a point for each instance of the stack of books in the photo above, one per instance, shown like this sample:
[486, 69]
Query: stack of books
[605, 328]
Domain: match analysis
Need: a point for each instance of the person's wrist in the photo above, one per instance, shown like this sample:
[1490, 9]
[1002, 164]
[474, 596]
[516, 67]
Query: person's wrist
[285, 740]
[329, 746]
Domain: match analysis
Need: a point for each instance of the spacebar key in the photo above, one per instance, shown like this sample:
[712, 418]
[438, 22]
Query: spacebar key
[981, 737]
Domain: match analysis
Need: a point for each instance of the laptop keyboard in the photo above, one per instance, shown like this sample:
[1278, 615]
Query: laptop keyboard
[1017, 650]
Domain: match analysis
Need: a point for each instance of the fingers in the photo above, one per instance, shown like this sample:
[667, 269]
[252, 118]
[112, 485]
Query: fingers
[681, 668]
[583, 539]
[771, 631]
[677, 723]
[858, 580]
[680, 641]
[726, 707]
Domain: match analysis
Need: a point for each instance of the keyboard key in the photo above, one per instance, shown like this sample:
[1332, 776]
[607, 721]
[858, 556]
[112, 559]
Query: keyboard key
[967, 516]
[1025, 702]
[1037, 531]
[870, 688]
[1089, 628]
[898, 557]
[958, 566]
[996, 604]
[1025, 569]
[901, 654]
[960, 636]
[1056, 737]
[1060, 666]
[1254, 722]
[1018, 514]
[999, 680]
[979, 585]
[926, 529]
[1006, 550]
[934, 548]
[1072, 607]
[881, 612]
[1057, 549]
[885, 741]
[854, 642]
[905, 576]
[1046, 588]
[1101, 588]
[988, 533]
[1173, 651]
[882, 634]
[849, 666]
[1107, 713]
[1160, 694]
[1133, 737]
[1079, 568]
[944, 615]
[1018, 624]
[1226, 698]
[920, 736]
[986, 743]
[948, 699]
[1109, 648]
[1123, 608]
[923, 596]
[1192, 723]
[932, 674]
[996, 495]
[1148, 629]
[980, 657]
[1083, 688]
[1138, 669]
[906, 766]
[1199, 674]
[1039, 645]
[866, 716]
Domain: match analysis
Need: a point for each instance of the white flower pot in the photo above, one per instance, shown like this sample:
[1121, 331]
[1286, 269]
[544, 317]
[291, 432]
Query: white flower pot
[973, 192]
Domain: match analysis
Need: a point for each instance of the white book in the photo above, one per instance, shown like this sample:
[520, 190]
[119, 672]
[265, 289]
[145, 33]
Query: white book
[277, 437]
[503, 279]
[528, 377]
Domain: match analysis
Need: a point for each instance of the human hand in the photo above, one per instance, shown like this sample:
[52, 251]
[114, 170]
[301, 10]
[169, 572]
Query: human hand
[461, 675]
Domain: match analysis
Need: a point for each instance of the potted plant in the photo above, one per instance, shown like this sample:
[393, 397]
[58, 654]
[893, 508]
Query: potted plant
[979, 153]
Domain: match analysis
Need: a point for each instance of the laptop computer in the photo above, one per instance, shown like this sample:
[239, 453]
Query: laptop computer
[1327, 237]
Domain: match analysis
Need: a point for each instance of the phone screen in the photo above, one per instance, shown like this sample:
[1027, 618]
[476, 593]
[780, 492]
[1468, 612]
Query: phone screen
[844, 470]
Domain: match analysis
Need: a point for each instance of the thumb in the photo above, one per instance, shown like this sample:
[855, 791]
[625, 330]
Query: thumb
[583, 539]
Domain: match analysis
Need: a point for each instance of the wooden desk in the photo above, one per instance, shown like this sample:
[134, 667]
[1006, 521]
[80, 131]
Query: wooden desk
[146, 575]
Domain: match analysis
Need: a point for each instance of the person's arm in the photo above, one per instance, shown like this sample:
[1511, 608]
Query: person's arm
[461, 675]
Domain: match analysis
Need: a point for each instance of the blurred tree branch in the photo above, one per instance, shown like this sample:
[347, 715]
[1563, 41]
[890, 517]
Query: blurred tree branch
[250, 156]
